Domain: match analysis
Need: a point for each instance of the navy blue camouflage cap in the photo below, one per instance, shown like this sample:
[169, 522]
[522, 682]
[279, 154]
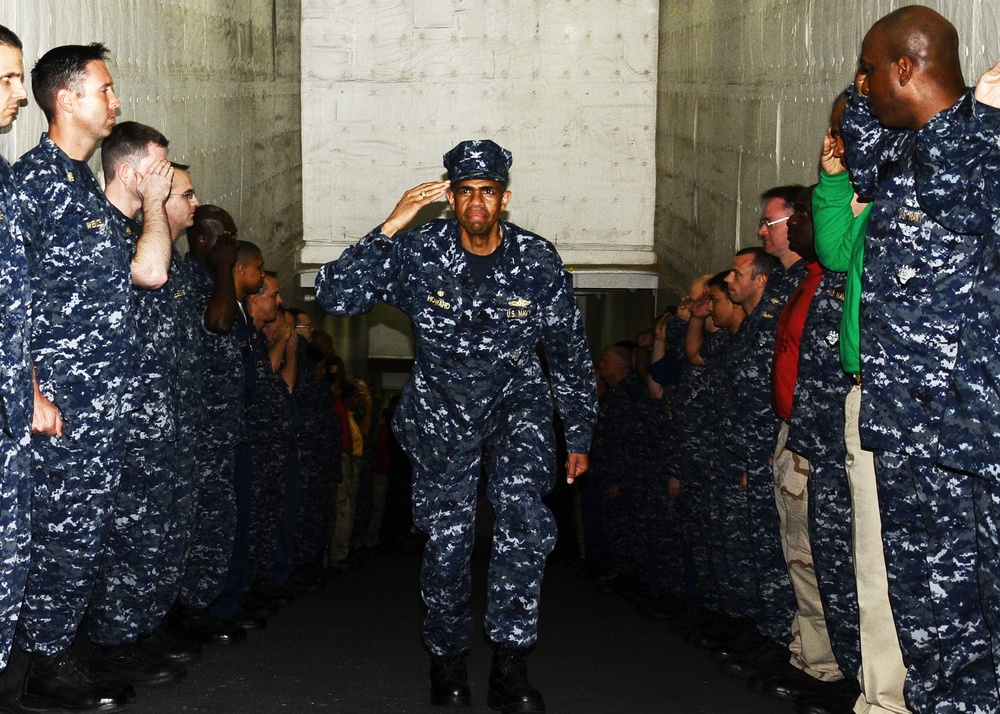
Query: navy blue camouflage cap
[478, 159]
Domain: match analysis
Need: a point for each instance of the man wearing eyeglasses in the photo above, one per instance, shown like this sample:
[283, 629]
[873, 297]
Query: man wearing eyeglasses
[778, 205]
[755, 426]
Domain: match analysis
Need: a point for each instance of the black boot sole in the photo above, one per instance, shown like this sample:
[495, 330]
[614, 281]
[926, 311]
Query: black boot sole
[494, 700]
[455, 701]
[32, 703]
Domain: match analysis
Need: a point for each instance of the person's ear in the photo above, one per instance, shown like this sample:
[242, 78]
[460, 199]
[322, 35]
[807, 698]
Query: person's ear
[904, 70]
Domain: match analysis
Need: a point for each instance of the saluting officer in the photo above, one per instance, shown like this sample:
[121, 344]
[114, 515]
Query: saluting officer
[482, 293]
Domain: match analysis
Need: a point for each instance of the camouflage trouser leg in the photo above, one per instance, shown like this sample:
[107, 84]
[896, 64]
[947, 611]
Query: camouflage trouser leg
[179, 507]
[664, 544]
[129, 569]
[521, 471]
[776, 605]
[74, 488]
[444, 507]
[617, 514]
[15, 537]
[833, 558]
[595, 542]
[699, 529]
[266, 511]
[317, 483]
[931, 556]
[213, 525]
[738, 589]
[987, 495]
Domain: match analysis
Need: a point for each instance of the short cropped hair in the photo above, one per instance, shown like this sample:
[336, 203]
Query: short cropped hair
[247, 251]
[127, 144]
[788, 194]
[9, 39]
[763, 264]
[718, 280]
[62, 68]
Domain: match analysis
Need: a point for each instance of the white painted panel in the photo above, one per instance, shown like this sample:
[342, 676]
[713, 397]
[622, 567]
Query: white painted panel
[568, 87]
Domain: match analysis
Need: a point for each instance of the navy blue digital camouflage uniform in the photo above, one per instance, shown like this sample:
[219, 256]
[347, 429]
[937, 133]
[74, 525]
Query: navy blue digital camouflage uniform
[754, 428]
[237, 580]
[671, 538]
[83, 339]
[611, 500]
[211, 421]
[709, 469]
[815, 433]
[681, 442]
[958, 183]
[145, 528]
[319, 463]
[15, 411]
[477, 383]
[660, 537]
[272, 442]
[917, 280]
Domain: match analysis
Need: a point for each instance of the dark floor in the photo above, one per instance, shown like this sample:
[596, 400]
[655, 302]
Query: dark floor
[354, 647]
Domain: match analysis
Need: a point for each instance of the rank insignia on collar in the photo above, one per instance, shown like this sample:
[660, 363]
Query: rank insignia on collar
[180, 293]
[519, 302]
[69, 176]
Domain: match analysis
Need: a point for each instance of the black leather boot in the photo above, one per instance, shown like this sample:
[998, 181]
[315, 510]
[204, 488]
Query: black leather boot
[510, 691]
[136, 665]
[62, 681]
[449, 682]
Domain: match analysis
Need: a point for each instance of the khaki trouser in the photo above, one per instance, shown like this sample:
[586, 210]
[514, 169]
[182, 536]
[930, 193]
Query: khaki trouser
[810, 646]
[882, 671]
[347, 498]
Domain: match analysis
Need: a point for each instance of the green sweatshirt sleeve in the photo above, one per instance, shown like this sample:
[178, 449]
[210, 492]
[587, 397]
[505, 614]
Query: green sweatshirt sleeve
[840, 246]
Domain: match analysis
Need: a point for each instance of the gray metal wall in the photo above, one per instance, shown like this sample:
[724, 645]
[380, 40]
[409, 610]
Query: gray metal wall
[219, 77]
[744, 95]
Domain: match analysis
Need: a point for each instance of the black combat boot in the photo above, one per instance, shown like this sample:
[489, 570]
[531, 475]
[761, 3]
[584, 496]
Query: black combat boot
[164, 644]
[136, 665]
[61, 681]
[510, 691]
[449, 682]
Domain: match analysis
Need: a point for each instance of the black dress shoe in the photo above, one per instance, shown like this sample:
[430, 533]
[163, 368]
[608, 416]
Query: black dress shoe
[741, 645]
[247, 621]
[162, 643]
[839, 698]
[270, 595]
[449, 682]
[510, 691]
[135, 665]
[767, 656]
[759, 681]
[204, 628]
[61, 681]
[796, 685]
[257, 607]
